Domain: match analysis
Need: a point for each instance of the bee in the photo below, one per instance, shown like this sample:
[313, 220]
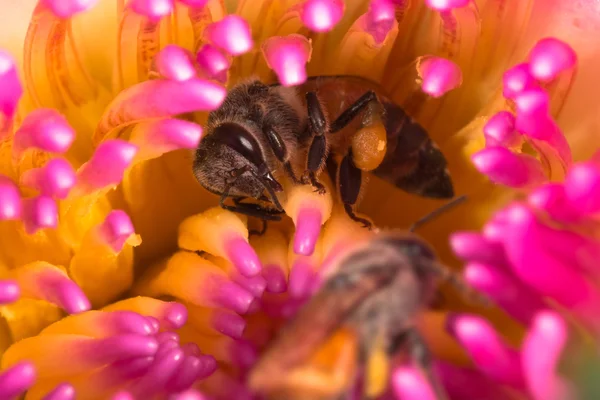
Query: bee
[262, 133]
[360, 318]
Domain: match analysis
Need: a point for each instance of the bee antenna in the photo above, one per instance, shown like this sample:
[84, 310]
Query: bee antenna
[438, 211]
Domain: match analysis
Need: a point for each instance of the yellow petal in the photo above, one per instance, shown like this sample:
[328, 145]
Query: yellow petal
[27, 317]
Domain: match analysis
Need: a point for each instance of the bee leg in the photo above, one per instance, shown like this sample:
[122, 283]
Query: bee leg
[317, 153]
[349, 183]
[252, 210]
[281, 152]
[252, 232]
[351, 112]
[421, 356]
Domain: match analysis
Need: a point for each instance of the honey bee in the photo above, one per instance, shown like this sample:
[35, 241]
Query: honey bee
[361, 317]
[262, 132]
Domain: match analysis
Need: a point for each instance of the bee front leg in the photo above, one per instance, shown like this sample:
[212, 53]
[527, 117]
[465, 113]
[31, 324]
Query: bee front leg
[317, 153]
[349, 183]
[281, 153]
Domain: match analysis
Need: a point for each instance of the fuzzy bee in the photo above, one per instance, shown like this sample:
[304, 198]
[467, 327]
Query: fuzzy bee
[361, 317]
[263, 133]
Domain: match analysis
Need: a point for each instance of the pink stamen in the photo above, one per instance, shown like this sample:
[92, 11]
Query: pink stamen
[466, 383]
[552, 199]
[528, 244]
[229, 324]
[189, 371]
[11, 88]
[242, 256]
[439, 76]
[116, 229]
[165, 347]
[308, 229]
[322, 15]
[471, 246]
[380, 19]
[243, 354]
[446, 5]
[9, 291]
[582, 187]
[190, 394]
[40, 212]
[159, 374]
[44, 129]
[107, 323]
[517, 80]
[155, 323]
[55, 179]
[173, 316]
[47, 282]
[500, 130]
[507, 168]
[68, 8]
[509, 293]
[154, 138]
[209, 366]
[167, 336]
[194, 3]
[275, 278]
[287, 56]
[15, 380]
[410, 384]
[213, 63]
[541, 352]
[301, 279]
[10, 200]
[106, 167]
[550, 57]
[533, 103]
[174, 62]
[255, 285]
[231, 34]
[232, 296]
[153, 9]
[119, 373]
[64, 391]
[487, 349]
[122, 396]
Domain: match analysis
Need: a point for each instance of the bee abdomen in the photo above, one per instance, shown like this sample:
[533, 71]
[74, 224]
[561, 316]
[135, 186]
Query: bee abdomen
[413, 162]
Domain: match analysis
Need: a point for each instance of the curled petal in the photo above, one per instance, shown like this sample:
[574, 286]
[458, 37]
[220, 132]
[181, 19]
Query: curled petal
[55, 179]
[549, 58]
[64, 391]
[446, 5]
[43, 129]
[116, 229]
[582, 187]
[322, 15]
[40, 212]
[17, 379]
[287, 56]
[154, 138]
[44, 281]
[232, 34]
[68, 8]
[213, 63]
[9, 291]
[10, 200]
[500, 130]
[173, 62]
[439, 76]
[517, 80]
[153, 9]
[540, 355]
[510, 169]
[106, 167]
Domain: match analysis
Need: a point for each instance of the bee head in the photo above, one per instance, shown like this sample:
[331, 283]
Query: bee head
[230, 155]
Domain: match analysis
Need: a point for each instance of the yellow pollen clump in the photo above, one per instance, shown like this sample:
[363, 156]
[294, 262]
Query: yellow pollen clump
[369, 146]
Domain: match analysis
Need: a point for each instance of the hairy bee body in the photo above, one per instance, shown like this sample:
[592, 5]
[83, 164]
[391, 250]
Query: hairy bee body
[262, 134]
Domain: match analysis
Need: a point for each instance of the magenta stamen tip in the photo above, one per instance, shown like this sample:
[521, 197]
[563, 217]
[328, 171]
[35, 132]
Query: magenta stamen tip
[40, 212]
[232, 34]
[550, 57]
[308, 228]
[301, 279]
[55, 179]
[582, 187]
[229, 324]
[242, 256]
[44, 129]
[516, 80]
[69, 8]
[287, 56]
[232, 296]
[213, 63]
[174, 62]
[190, 394]
[446, 5]
[123, 396]
[153, 9]
[322, 15]
[64, 391]
[17, 379]
[410, 384]
[500, 130]
[69, 296]
[116, 229]
[275, 278]
[507, 168]
[11, 85]
[175, 316]
[9, 291]
[10, 200]
[439, 76]
[380, 19]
